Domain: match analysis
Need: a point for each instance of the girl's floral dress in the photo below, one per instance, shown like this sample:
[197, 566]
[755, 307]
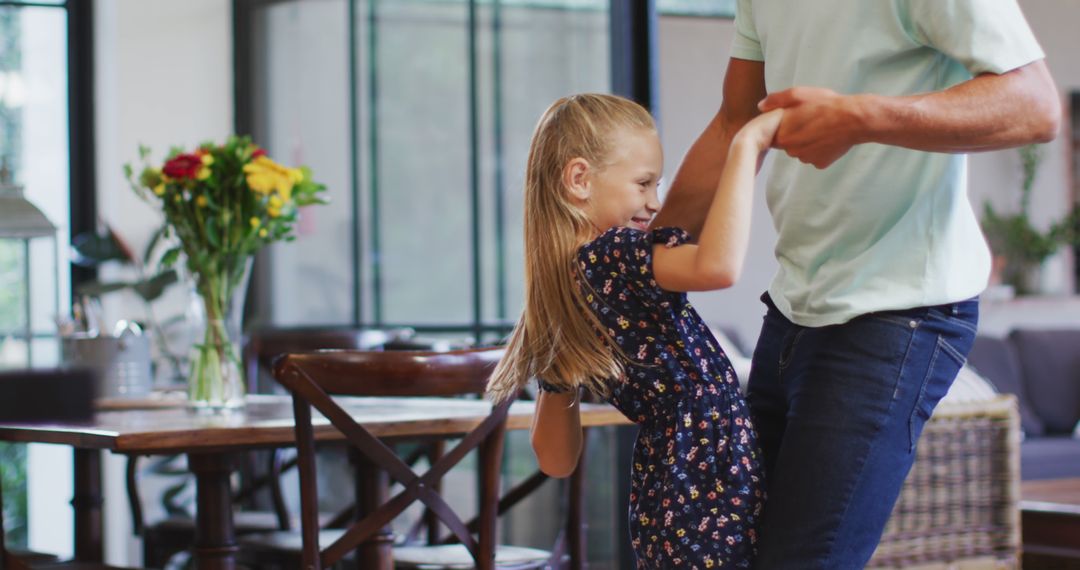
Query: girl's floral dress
[696, 491]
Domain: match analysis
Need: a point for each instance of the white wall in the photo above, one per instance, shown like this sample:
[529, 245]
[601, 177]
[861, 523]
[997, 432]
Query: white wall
[163, 78]
[693, 57]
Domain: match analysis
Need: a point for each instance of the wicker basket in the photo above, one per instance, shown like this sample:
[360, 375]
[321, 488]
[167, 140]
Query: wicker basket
[958, 508]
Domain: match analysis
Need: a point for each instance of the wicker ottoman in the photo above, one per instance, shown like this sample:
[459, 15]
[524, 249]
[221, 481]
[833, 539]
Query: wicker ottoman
[959, 507]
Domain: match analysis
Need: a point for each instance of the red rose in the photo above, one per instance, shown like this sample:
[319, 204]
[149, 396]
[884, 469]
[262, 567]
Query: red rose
[183, 166]
[258, 152]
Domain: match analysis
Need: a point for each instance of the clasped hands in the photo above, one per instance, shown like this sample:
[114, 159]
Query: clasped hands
[818, 126]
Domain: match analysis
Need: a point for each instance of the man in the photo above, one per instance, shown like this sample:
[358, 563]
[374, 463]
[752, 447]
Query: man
[874, 307]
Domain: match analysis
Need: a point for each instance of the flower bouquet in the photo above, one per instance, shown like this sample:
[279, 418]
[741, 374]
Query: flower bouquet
[222, 203]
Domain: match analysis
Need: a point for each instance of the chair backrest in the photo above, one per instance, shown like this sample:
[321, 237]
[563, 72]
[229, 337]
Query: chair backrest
[43, 395]
[313, 378]
[390, 373]
[265, 344]
[47, 395]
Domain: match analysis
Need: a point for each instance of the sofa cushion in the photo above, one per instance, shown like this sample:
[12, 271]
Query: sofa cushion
[1050, 363]
[995, 359]
[1050, 457]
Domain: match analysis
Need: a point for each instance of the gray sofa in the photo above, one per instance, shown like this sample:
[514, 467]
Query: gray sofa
[1041, 368]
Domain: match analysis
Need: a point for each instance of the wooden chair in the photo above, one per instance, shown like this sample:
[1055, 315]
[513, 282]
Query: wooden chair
[165, 538]
[314, 377]
[265, 344]
[41, 396]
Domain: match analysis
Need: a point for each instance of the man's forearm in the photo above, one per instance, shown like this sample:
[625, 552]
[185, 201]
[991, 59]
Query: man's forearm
[988, 112]
[692, 190]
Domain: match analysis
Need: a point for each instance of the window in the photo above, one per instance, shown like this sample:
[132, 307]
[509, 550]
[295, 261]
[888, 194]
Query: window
[34, 147]
[34, 143]
[714, 8]
[417, 114]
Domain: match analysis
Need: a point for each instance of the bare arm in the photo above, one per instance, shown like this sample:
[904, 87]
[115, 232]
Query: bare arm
[695, 182]
[987, 112]
[556, 432]
[716, 261]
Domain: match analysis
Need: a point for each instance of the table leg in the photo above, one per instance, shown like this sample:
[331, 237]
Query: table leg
[372, 484]
[576, 527]
[86, 504]
[215, 536]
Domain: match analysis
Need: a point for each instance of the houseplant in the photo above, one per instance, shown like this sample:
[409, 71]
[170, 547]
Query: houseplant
[222, 203]
[1019, 248]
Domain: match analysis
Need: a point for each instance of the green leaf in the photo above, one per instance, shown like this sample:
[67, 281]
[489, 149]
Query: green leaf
[212, 232]
[97, 288]
[170, 257]
[154, 239]
[91, 250]
[150, 289]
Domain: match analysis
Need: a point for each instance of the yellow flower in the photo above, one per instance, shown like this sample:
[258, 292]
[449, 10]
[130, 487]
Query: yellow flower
[265, 176]
[254, 222]
[203, 173]
[207, 159]
[262, 232]
[159, 189]
[201, 201]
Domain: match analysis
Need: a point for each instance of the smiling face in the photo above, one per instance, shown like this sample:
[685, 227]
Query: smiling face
[622, 192]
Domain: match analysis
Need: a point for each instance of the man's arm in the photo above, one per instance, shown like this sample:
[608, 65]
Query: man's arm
[694, 185]
[987, 112]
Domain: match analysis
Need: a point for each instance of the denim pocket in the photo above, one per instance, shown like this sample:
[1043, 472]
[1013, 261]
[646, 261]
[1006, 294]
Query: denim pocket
[945, 363]
[952, 319]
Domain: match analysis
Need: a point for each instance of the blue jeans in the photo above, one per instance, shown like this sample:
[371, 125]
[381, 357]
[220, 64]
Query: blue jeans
[838, 411]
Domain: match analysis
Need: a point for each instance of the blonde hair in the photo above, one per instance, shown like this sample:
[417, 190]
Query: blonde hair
[557, 338]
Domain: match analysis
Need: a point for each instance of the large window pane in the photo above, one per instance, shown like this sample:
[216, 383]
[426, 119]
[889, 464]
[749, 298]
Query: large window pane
[549, 53]
[34, 150]
[301, 113]
[34, 144]
[422, 179]
[425, 108]
[718, 8]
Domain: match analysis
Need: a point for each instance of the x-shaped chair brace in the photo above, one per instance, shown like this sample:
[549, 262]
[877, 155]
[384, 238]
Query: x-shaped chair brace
[307, 394]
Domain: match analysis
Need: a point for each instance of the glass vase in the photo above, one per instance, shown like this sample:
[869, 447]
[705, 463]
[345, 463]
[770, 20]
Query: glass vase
[216, 374]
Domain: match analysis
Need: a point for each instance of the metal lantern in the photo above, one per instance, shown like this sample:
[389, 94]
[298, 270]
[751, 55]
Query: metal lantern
[21, 221]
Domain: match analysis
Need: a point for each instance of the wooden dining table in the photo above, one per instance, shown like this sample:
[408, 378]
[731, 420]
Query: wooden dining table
[211, 443]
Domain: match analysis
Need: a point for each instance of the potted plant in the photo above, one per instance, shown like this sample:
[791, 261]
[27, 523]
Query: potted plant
[1018, 247]
[151, 282]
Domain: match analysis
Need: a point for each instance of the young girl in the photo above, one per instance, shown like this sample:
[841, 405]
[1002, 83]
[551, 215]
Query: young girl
[606, 309]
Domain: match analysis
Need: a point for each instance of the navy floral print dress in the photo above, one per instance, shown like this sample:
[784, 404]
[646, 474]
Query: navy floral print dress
[696, 493]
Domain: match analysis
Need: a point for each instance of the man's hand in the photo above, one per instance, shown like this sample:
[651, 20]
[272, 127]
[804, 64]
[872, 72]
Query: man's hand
[819, 126]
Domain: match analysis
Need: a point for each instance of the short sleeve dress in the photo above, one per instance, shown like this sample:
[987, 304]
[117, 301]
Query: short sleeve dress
[697, 489]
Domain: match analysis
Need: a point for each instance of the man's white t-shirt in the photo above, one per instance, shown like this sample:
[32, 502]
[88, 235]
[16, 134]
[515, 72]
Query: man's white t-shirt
[883, 227]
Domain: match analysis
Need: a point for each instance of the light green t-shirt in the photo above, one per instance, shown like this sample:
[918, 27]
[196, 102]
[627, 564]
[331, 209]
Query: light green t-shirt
[883, 227]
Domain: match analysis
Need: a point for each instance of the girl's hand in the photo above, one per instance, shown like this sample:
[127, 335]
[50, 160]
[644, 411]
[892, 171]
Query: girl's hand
[760, 131]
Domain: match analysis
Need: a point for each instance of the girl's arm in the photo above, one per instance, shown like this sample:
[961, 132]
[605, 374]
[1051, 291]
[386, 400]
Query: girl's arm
[556, 432]
[717, 259]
